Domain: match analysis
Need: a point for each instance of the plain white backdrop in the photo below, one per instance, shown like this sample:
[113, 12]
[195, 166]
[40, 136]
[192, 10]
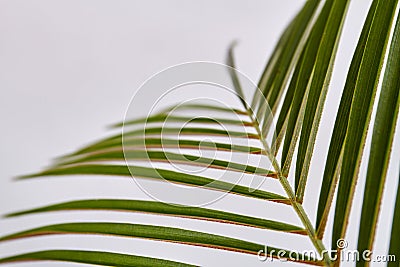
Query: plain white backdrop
[69, 68]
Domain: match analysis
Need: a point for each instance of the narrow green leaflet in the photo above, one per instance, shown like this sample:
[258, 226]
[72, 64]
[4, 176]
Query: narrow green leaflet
[153, 232]
[332, 165]
[186, 131]
[382, 139]
[294, 85]
[170, 131]
[94, 258]
[394, 248]
[283, 117]
[165, 117]
[101, 258]
[157, 142]
[318, 89]
[208, 107]
[360, 113]
[149, 135]
[276, 74]
[296, 42]
[258, 96]
[160, 208]
[301, 83]
[298, 85]
[230, 61]
[160, 174]
[170, 157]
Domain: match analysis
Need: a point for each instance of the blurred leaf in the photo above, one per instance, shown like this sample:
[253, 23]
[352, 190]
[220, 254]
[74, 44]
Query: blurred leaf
[281, 124]
[230, 61]
[157, 142]
[165, 209]
[153, 232]
[169, 157]
[330, 24]
[312, 75]
[333, 161]
[185, 131]
[284, 57]
[207, 107]
[93, 257]
[160, 174]
[165, 117]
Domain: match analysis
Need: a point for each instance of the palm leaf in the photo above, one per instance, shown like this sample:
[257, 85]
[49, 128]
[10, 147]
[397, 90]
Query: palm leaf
[334, 158]
[207, 107]
[162, 117]
[282, 122]
[154, 207]
[230, 61]
[286, 53]
[318, 87]
[162, 156]
[300, 87]
[159, 174]
[367, 81]
[294, 85]
[382, 138]
[185, 131]
[311, 85]
[93, 257]
[163, 233]
[81, 160]
[157, 142]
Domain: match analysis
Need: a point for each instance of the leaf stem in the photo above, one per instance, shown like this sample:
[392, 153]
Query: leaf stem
[301, 213]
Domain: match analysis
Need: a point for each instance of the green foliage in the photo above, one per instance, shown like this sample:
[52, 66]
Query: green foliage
[294, 85]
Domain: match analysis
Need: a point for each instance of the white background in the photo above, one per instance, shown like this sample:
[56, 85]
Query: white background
[69, 68]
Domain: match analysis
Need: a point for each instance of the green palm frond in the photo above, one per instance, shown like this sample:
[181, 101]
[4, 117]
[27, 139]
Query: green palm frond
[292, 89]
[93, 257]
[159, 174]
[335, 153]
[169, 209]
[169, 234]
